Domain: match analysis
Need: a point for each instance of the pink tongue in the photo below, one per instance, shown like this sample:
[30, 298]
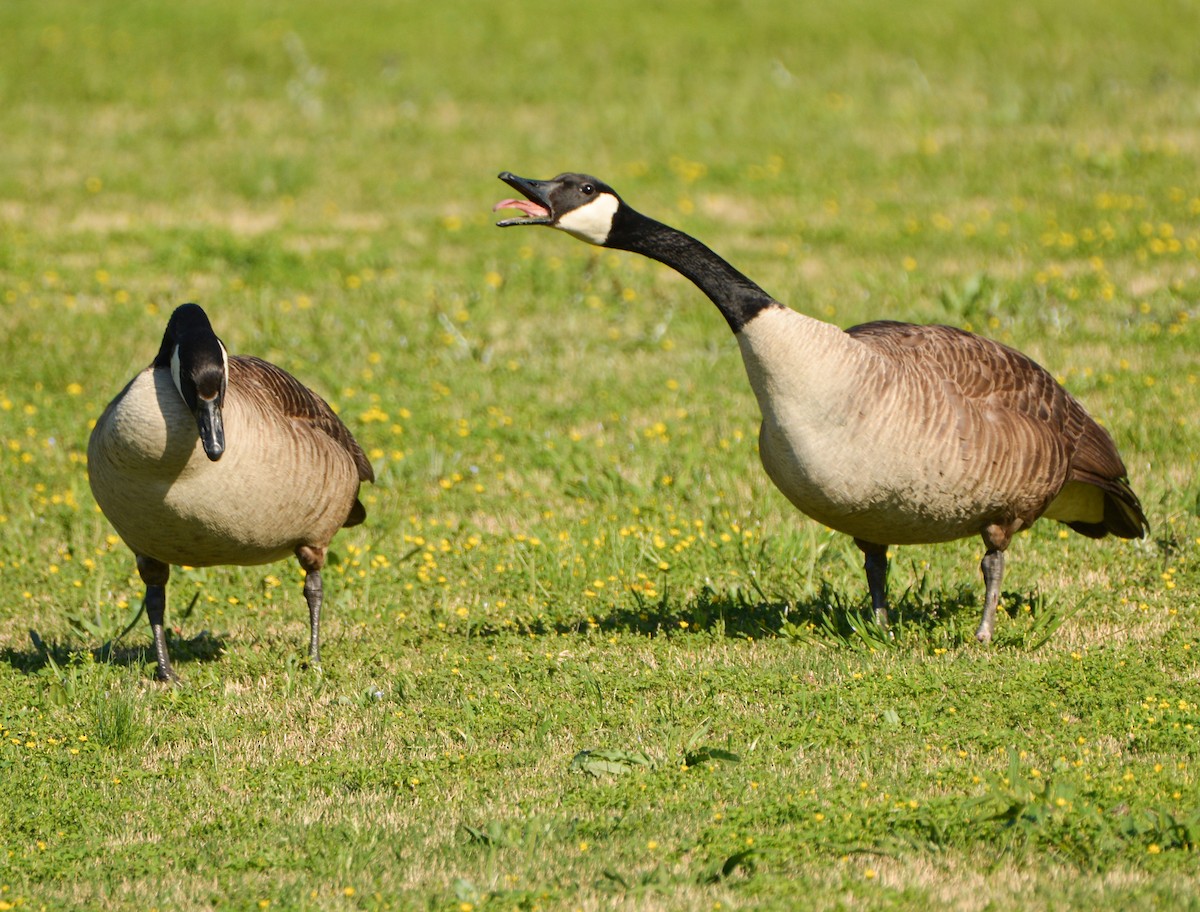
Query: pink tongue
[529, 207]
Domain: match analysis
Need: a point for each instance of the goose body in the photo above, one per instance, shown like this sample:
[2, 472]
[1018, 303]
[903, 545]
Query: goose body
[893, 433]
[279, 483]
[274, 473]
[959, 444]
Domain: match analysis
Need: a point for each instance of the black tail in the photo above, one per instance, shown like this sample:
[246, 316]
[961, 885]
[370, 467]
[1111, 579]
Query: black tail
[1123, 514]
[358, 515]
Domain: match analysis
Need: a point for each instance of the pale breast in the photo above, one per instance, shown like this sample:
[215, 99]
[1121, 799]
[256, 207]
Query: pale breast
[146, 431]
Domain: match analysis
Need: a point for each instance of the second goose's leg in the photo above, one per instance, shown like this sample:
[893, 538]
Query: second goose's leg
[312, 559]
[996, 539]
[154, 574]
[875, 563]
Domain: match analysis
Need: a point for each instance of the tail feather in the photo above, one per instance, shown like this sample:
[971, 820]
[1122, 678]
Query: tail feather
[358, 515]
[1123, 514]
[1095, 461]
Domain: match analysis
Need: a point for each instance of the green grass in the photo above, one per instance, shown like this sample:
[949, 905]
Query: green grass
[582, 654]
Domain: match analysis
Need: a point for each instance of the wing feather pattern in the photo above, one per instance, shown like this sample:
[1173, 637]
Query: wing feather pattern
[293, 399]
[1019, 394]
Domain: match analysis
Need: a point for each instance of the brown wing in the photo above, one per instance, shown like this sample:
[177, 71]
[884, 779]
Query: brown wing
[1006, 382]
[299, 403]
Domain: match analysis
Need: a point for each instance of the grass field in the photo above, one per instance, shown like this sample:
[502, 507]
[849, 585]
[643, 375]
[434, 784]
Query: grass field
[582, 655]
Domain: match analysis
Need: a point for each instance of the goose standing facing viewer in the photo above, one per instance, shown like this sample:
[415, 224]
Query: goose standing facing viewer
[206, 458]
[892, 433]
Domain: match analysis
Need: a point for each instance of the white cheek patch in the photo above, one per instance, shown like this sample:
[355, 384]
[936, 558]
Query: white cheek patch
[593, 222]
[175, 368]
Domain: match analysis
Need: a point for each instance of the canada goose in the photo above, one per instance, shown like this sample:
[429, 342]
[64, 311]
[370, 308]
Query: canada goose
[209, 459]
[892, 433]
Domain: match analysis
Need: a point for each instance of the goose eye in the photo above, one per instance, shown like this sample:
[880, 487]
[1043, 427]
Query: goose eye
[587, 189]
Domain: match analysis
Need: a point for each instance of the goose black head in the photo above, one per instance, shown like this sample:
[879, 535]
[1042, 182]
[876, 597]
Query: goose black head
[575, 203]
[199, 366]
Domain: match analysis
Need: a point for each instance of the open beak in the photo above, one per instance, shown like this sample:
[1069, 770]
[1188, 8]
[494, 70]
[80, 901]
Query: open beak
[536, 205]
[211, 427]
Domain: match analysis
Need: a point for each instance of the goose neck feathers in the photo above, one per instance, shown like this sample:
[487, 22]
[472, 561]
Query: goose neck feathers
[738, 298]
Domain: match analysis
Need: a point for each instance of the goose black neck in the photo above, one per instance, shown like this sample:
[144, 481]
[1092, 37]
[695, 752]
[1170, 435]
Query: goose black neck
[738, 298]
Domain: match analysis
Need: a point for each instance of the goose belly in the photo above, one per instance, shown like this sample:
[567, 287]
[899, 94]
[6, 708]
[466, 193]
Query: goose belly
[214, 515]
[267, 494]
[877, 487]
[174, 525]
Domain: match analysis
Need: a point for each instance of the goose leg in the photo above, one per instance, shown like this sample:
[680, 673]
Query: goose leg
[875, 562]
[154, 574]
[996, 539]
[312, 560]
